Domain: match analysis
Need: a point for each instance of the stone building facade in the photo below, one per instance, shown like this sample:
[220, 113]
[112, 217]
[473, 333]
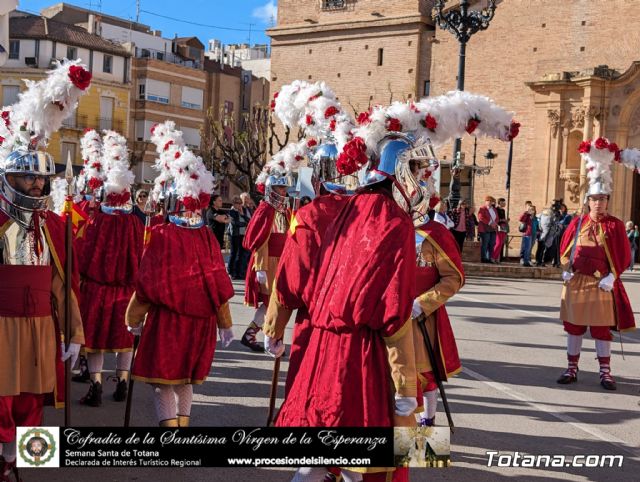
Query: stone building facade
[567, 69]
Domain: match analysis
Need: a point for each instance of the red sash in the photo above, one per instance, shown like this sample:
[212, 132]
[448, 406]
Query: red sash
[276, 244]
[25, 291]
[426, 278]
[589, 259]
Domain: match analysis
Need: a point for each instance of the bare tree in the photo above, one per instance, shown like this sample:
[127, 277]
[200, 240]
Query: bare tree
[240, 150]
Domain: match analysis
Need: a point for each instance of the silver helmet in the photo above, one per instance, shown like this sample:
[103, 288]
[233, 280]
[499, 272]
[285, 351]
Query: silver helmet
[401, 159]
[25, 163]
[279, 202]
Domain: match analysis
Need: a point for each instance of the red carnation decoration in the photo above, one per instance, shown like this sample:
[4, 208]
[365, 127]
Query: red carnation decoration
[312, 143]
[273, 105]
[309, 119]
[166, 146]
[87, 130]
[353, 157]
[427, 174]
[114, 199]
[394, 125]
[153, 128]
[96, 165]
[429, 122]
[275, 96]
[191, 204]
[299, 158]
[332, 125]
[472, 124]
[194, 176]
[331, 111]
[80, 77]
[5, 116]
[413, 108]
[585, 147]
[204, 200]
[514, 130]
[281, 163]
[177, 155]
[601, 143]
[260, 188]
[94, 183]
[613, 147]
[1, 139]
[364, 118]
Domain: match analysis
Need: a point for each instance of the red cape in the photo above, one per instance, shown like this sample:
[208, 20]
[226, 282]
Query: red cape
[618, 252]
[344, 379]
[182, 269]
[259, 227]
[109, 254]
[299, 255]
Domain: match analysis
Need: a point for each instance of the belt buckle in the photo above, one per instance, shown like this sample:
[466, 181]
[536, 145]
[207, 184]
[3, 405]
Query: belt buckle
[597, 274]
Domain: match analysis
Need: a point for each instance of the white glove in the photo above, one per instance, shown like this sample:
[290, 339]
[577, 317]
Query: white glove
[416, 311]
[405, 406]
[225, 335]
[72, 352]
[567, 275]
[275, 348]
[606, 283]
[261, 276]
[135, 330]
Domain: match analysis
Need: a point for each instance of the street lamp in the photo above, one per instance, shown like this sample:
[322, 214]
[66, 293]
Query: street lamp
[462, 23]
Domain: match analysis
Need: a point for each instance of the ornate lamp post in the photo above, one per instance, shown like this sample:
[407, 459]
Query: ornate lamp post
[462, 23]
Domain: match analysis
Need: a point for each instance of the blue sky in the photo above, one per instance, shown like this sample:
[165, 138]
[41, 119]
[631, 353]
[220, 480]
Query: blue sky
[250, 17]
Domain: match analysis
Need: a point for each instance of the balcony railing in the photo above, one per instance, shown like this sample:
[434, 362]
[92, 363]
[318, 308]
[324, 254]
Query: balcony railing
[334, 4]
[109, 124]
[81, 122]
[163, 56]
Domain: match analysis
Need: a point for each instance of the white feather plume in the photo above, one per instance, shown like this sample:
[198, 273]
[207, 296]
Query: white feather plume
[116, 164]
[58, 194]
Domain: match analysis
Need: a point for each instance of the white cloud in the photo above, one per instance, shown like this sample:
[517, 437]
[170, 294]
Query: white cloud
[268, 13]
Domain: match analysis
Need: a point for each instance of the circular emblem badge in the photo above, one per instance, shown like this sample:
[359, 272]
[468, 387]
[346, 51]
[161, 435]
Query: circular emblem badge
[37, 446]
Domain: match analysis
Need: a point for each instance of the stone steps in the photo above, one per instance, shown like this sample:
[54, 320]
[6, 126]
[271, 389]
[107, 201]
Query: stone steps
[510, 270]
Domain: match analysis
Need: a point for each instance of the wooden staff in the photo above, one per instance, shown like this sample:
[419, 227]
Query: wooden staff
[274, 390]
[68, 277]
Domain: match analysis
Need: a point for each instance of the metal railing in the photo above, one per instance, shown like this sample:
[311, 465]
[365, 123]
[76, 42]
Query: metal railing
[163, 56]
[334, 4]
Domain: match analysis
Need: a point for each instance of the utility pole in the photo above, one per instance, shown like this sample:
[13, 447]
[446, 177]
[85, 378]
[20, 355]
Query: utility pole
[137, 11]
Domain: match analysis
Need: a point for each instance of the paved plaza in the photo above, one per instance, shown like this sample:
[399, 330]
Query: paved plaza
[506, 400]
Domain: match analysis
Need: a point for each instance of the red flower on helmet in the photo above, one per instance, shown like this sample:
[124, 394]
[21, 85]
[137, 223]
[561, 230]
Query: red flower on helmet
[273, 105]
[308, 119]
[153, 128]
[299, 158]
[88, 129]
[94, 183]
[331, 111]
[177, 155]
[260, 188]
[353, 156]
[514, 130]
[166, 146]
[429, 122]
[80, 77]
[332, 125]
[194, 176]
[585, 147]
[414, 108]
[96, 165]
[613, 147]
[393, 124]
[312, 143]
[364, 118]
[601, 143]
[472, 125]
[275, 96]
[5, 116]
[191, 203]
[1, 139]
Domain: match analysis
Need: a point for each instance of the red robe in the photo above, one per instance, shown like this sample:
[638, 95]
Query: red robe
[183, 277]
[305, 236]
[359, 292]
[446, 350]
[109, 254]
[55, 231]
[257, 234]
[618, 253]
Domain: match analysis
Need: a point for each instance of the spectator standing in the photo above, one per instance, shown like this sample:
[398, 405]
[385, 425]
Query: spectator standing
[239, 219]
[544, 236]
[217, 219]
[525, 228]
[141, 200]
[633, 235]
[487, 227]
[460, 216]
[472, 223]
[248, 203]
[535, 229]
[441, 215]
[503, 229]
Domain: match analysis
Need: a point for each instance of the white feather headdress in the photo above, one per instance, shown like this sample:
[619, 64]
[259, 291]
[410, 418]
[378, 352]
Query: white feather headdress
[118, 177]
